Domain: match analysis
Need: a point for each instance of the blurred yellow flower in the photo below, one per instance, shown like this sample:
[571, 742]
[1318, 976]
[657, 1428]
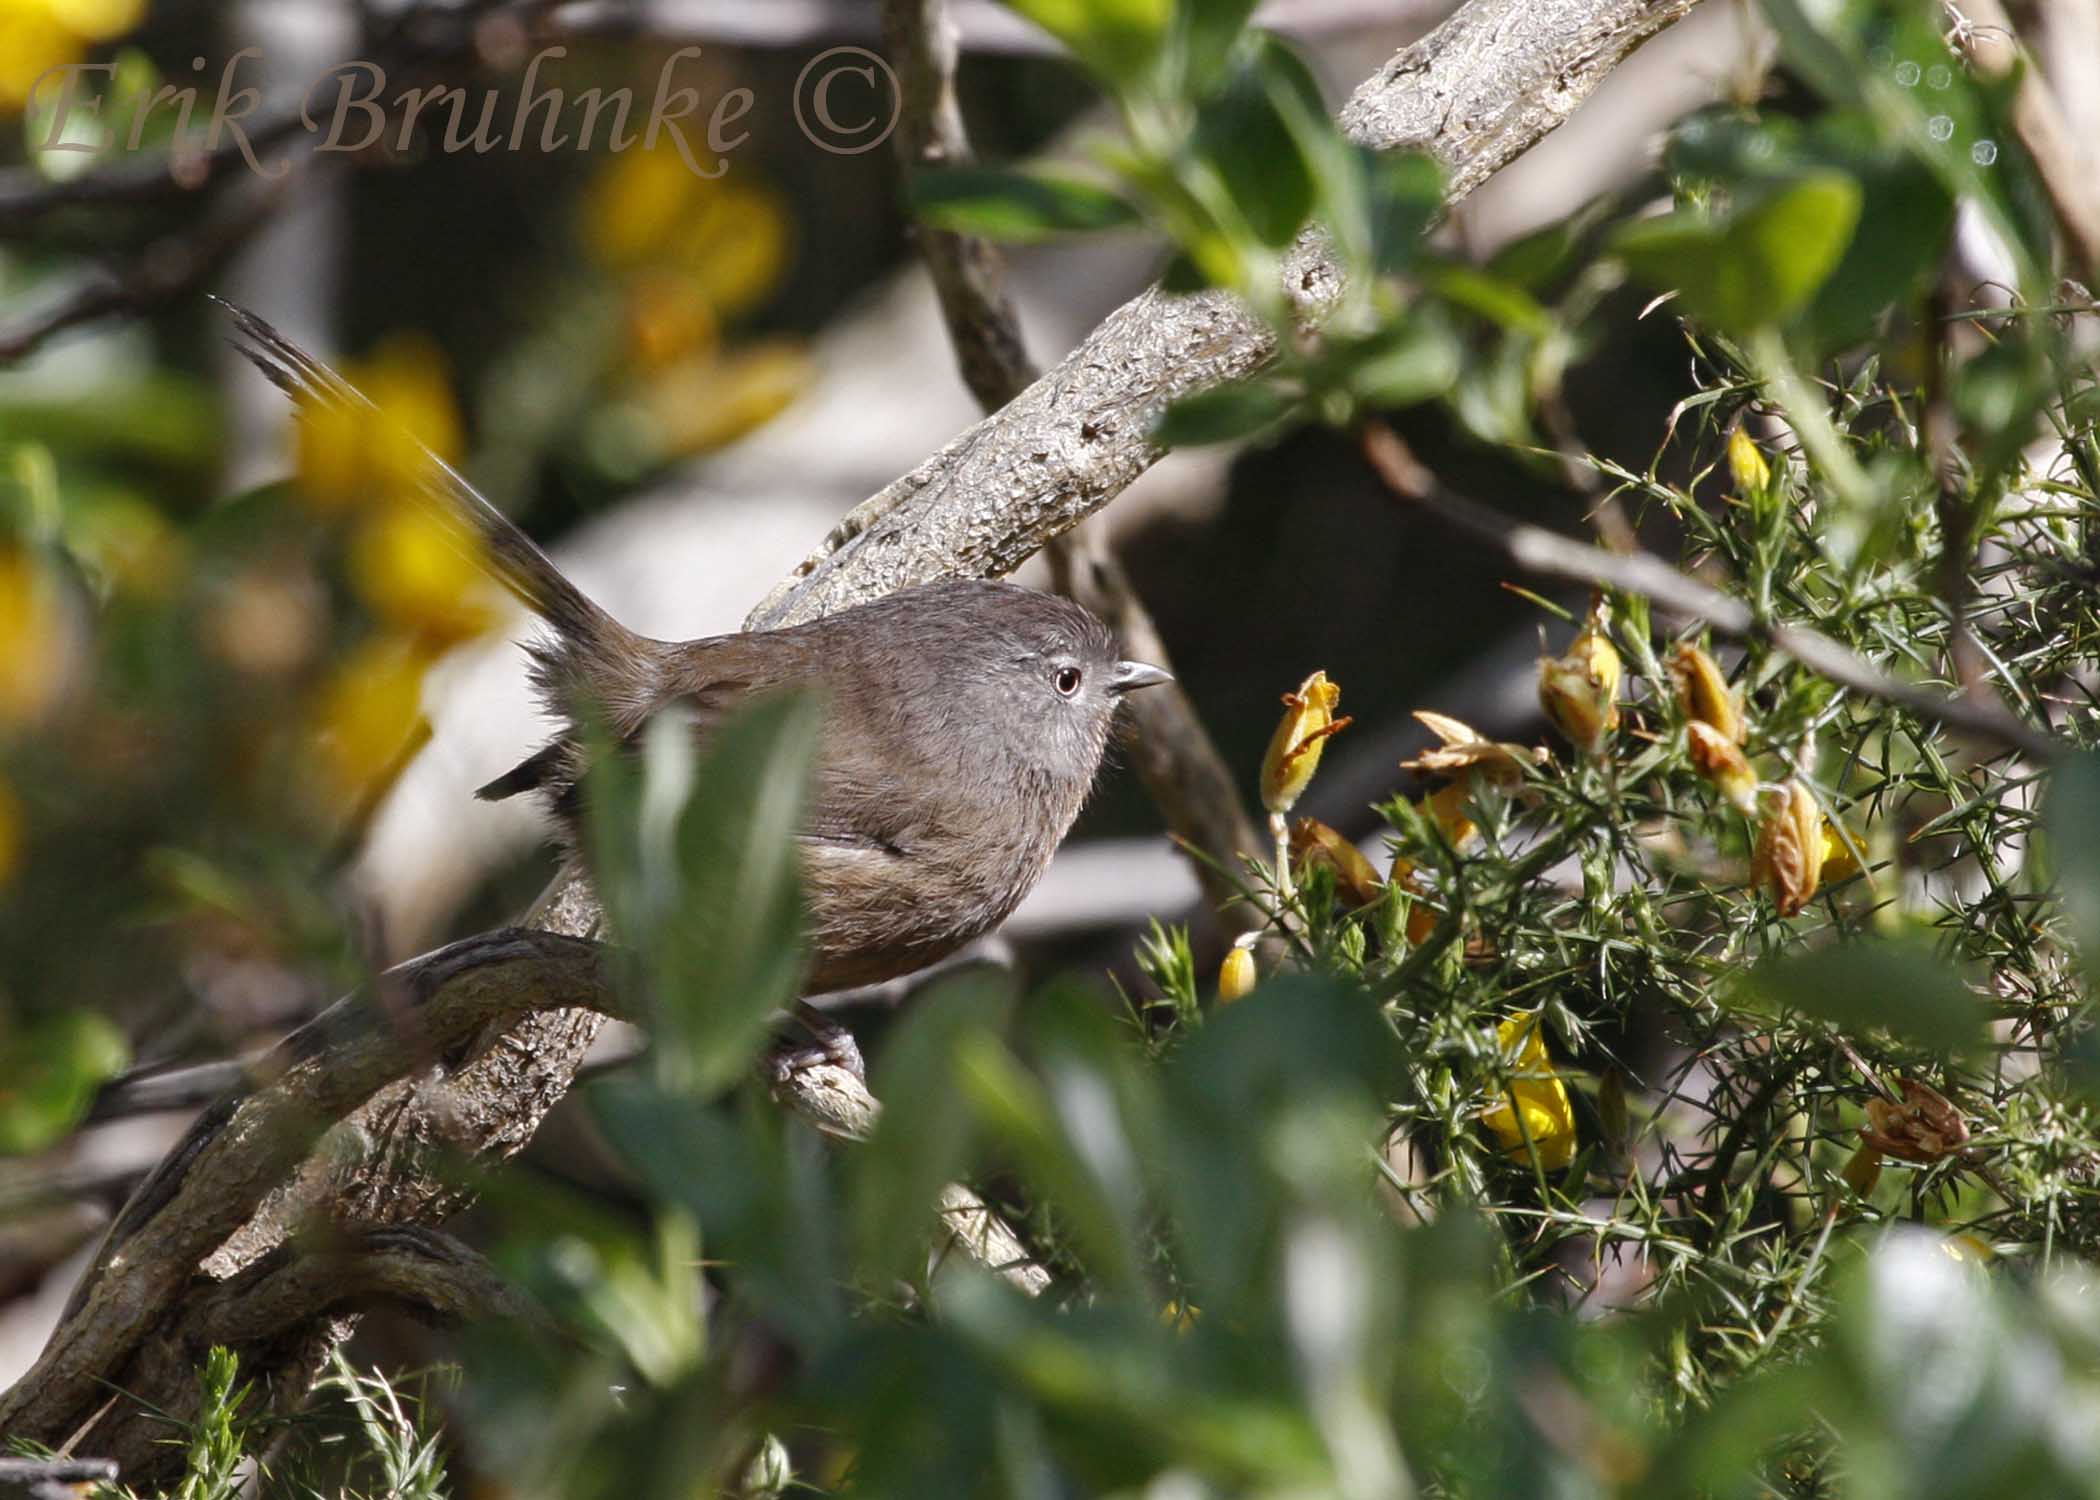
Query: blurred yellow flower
[702, 404]
[38, 35]
[1580, 689]
[421, 575]
[1715, 757]
[368, 714]
[727, 236]
[37, 641]
[1237, 975]
[1294, 750]
[11, 838]
[350, 458]
[1788, 860]
[668, 319]
[1704, 693]
[1537, 1094]
[1746, 466]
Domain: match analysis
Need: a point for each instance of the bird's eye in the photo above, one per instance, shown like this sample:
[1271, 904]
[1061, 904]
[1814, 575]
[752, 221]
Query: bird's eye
[1067, 681]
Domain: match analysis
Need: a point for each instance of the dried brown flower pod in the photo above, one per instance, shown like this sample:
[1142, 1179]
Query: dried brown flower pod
[1924, 1128]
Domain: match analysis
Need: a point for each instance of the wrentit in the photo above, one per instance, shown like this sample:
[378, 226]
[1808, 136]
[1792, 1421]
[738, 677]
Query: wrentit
[964, 721]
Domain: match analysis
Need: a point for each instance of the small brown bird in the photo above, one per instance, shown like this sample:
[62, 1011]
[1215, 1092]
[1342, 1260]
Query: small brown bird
[965, 722]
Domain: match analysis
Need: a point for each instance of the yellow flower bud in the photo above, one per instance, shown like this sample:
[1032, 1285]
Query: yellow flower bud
[1548, 1117]
[1789, 858]
[1237, 976]
[1580, 690]
[1704, 692]
[1924, 1128]
[1355, 882]
[1746, 466]
[1294, 750]
[1716, 758]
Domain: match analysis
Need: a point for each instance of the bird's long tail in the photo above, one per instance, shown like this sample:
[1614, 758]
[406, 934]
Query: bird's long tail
[586, 630]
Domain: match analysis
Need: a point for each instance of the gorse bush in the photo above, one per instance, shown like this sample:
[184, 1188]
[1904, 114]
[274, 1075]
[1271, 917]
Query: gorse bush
[1696, 1098]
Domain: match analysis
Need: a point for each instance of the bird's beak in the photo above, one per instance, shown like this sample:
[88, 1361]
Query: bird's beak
[1129, 676]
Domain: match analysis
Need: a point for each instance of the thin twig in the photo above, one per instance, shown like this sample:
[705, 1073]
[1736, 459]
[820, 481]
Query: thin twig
[1547, 554]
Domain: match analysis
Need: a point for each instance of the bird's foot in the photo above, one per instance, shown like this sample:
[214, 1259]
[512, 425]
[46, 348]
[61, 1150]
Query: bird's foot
[827, 1044]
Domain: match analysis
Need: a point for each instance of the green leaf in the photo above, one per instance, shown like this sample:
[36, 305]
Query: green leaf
[1896, 986]
[1248, 410]
[1205, 33]
[49, 1072]
[1250, 146]
[1407, 197]
[1118, 38]
[1758, 266]
[696, 864]
[1019, 206]
[1417, 361]
[926, 1131]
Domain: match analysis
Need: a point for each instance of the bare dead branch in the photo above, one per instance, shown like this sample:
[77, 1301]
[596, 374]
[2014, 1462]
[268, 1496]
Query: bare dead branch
[1485, 85]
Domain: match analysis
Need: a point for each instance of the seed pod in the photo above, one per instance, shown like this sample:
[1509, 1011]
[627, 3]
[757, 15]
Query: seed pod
[1294, 750]
[1789, 857]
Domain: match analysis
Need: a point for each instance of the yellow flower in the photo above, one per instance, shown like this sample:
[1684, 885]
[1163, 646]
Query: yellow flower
[1463, 749]
[727, 237]
[1237, 975]
[1536, 1092]
[350, 458]
[1294, 750]
[421, 575]
[1580, 690]
[1789, 858]
[1715, 757]
[37, 35]
[1704, 693]
[11, 836]
[1839, 862]
[1446, 809]
[38, 644]
[1314, 843]
[1421, 918]
[702, 403]
[1746, 466]
[368, 715]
